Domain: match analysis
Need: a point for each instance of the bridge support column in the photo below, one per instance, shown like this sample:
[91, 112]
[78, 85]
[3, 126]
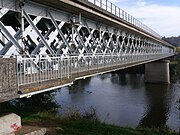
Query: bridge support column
[157, 72]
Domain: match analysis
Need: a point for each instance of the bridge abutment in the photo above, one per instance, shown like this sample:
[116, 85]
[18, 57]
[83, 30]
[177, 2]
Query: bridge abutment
[157, 72]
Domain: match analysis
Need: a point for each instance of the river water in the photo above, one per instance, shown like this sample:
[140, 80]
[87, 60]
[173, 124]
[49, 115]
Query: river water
[121, 98]
[124, 99]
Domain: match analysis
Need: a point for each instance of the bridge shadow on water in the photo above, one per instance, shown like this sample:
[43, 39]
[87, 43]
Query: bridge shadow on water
[134, 80]
[79, 86]
[133, 77]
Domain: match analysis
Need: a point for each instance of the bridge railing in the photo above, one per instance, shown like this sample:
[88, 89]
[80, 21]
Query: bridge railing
[113, 9]
[41, 68]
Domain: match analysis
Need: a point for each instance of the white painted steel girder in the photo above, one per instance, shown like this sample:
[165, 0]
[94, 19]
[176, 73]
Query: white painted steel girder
[51, 31]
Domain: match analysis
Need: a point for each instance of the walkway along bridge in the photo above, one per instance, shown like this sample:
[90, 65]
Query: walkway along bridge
[47, 44]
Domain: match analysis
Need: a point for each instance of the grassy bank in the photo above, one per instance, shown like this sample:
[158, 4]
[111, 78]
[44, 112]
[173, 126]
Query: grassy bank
[75, 123]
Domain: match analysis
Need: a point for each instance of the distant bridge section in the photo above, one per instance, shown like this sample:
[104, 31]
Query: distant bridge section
[54, 42]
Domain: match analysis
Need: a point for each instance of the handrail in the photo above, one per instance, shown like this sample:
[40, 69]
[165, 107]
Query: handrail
[113, 9]
[59, 67]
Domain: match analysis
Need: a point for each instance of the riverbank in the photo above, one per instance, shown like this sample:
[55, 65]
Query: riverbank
[75, 123]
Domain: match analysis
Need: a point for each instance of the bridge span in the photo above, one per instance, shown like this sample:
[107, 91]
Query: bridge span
[47, 44]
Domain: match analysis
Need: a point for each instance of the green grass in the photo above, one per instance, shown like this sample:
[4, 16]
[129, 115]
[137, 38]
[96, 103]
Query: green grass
[87, 127]
[78, 124]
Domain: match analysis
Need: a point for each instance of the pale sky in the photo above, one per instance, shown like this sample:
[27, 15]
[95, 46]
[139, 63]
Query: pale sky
[163, 16]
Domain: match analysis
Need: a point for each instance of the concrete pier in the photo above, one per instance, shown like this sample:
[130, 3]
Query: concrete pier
[9, 124]
[157, 72]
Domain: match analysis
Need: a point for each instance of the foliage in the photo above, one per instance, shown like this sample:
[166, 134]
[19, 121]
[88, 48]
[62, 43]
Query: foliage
[178, 49]
[173, 40]
[29, 106]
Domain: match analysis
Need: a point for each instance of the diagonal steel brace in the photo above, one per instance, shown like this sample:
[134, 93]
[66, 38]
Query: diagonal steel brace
[39, 34]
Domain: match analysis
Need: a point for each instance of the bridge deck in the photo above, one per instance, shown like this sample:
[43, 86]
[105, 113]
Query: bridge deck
[50, 80]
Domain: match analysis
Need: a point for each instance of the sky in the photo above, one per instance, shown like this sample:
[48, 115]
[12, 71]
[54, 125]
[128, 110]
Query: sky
[163, 16]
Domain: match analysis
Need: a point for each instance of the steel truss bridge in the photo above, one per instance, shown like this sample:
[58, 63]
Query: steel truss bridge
[50, 43]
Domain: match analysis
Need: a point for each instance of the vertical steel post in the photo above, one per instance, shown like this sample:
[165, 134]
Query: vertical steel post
[70, 66]
[78, 65]
[111, 8]
[17, 73]
[88, 61]
[39, 60]
[68, 61]
[80, 18]
[100, 36]
[97, 62]
[106, 5]
[123, 14]
[61, 68]
[21, 5]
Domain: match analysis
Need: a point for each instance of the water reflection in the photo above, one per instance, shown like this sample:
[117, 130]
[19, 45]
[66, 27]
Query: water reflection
[125, 98]
[123, 79]
[79, 86]
[118, 78]
[157, 105]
